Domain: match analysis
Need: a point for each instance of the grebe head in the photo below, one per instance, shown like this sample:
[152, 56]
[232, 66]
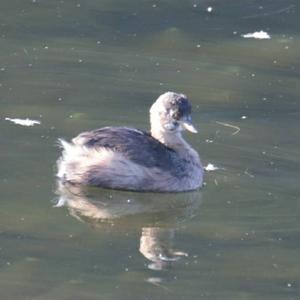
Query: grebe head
[171, 113]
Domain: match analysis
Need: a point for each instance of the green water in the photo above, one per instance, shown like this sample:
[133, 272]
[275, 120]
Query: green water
[78, 65]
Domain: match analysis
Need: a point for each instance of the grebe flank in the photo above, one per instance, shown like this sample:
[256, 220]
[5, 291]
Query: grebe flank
[130, 159]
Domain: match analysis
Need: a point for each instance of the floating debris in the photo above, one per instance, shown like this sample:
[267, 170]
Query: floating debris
[209, 141]
[23, 122]
[211, 167]
[238, 129]
[246, 172]
[260, 35]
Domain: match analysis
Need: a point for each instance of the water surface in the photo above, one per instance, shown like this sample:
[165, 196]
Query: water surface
[80, 65]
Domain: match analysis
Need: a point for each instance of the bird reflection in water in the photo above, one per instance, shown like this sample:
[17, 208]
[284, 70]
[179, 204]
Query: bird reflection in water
[156, 215]
[156, 245]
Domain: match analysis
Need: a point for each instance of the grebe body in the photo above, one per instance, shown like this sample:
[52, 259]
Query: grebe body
[130, 159]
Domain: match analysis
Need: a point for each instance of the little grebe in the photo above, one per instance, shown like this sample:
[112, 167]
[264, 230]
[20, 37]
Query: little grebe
[131, 159]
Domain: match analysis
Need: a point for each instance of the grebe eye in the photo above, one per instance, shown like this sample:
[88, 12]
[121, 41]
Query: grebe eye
[176, 115]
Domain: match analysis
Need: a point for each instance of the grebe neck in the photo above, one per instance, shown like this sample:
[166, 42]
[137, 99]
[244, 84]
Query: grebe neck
[173, 140]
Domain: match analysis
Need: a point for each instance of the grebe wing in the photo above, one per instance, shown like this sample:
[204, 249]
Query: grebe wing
[136, 145]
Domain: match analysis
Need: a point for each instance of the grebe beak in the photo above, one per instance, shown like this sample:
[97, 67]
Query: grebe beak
[189, 126]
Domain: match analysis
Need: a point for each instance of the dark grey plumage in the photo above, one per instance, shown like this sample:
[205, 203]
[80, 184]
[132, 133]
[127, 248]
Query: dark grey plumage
[180, 107]
[136, 145]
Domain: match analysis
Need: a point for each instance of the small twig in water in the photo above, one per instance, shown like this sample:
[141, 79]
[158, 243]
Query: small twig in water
[249, 174]
[238, 129]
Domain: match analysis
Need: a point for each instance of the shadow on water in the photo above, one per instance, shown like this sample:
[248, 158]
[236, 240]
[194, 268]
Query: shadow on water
[156, 216]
